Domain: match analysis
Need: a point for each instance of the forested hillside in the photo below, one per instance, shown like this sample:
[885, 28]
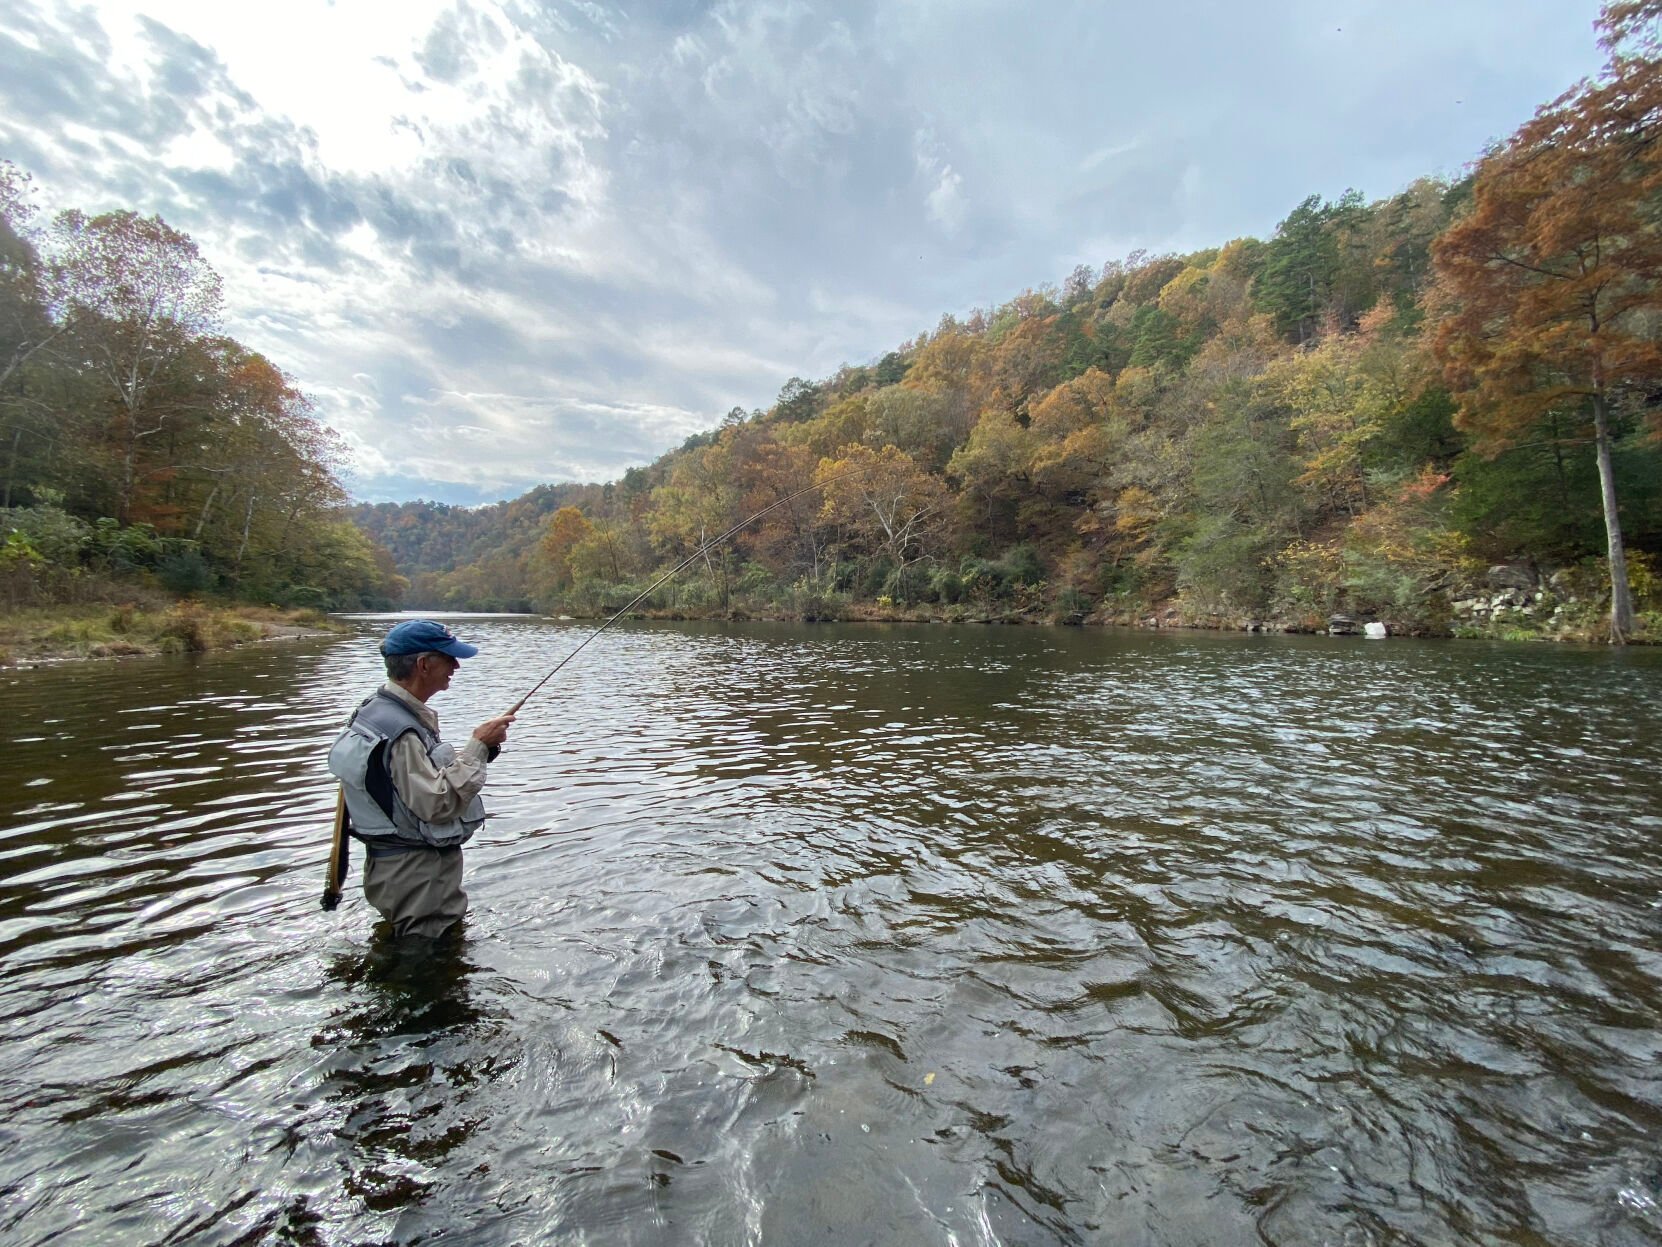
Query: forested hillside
[139, 445]
[477, 551]
[1361, 414]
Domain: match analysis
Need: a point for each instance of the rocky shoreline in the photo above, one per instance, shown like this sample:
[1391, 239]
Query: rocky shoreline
[1515, 602]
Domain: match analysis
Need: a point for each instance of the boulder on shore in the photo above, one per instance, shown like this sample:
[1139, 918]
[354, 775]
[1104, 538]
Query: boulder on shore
[1518, 576]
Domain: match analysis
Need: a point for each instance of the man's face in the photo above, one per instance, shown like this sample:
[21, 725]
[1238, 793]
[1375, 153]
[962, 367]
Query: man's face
[436, 670]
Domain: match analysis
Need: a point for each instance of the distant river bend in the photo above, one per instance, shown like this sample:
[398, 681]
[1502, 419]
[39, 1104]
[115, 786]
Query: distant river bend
[841, 934]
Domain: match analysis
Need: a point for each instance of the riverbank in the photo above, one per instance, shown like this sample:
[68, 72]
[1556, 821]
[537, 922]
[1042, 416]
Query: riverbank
[1510, 602]
[1498, 621]
[40, 634]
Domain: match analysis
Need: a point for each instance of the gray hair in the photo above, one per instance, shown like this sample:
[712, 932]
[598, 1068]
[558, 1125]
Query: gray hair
[401, 667]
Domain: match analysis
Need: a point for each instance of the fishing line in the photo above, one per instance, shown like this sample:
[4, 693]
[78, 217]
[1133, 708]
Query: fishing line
[702, 552]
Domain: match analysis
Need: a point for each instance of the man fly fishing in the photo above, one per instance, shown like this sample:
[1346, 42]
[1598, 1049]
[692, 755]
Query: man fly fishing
[409, 797]
[412, 799]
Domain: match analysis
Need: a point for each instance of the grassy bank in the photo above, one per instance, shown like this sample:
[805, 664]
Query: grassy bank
[48, 633]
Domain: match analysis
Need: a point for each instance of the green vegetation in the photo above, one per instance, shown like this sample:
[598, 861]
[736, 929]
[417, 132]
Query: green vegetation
[143, 450]
[153, 626]
[1362, 415]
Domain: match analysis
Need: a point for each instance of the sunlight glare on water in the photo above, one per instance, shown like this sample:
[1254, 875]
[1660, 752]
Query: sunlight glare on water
[852, 934]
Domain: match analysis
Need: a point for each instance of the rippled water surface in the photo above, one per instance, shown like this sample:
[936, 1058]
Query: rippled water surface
[851, 935]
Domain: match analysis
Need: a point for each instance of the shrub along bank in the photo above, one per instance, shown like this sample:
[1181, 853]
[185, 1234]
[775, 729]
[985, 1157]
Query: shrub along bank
[1515, 601]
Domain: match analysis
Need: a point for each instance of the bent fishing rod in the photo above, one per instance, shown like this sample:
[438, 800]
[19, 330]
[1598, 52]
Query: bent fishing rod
[703, 551]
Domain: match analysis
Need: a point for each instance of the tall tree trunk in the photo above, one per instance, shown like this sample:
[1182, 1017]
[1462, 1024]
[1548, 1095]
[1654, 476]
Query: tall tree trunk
[1621, 597]
[124, 506]
[11, 468]
[202, 519]
[1558, 466]
[247, 524]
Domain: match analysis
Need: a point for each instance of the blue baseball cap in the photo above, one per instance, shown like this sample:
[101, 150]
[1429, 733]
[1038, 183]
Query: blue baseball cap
[420, 636]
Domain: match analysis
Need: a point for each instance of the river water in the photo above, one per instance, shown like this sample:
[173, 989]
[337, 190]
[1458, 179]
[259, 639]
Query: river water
[801, 935]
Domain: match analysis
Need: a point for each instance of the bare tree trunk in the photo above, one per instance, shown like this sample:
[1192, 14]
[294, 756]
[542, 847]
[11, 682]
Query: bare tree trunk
[206, 507]
[247, 523]
[11, 468]
[1621, 597]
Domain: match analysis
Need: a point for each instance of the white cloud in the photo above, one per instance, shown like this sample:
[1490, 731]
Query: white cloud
[200, 149]
[1106, 153]
[943, 198]
[946, 200]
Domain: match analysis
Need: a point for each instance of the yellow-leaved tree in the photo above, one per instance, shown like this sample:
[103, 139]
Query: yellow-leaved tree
[886, 502]
[551, 563]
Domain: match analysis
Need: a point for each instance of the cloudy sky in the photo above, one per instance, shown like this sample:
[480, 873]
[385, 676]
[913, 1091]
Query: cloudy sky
[507, 241]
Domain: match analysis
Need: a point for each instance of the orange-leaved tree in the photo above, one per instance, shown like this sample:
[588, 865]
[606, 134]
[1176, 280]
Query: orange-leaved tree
[1547, 290]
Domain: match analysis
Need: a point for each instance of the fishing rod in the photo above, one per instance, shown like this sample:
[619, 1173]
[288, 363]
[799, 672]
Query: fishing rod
[335, 876]
[702, 552]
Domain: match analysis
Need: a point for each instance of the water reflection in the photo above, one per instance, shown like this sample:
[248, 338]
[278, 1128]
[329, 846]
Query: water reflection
[406, 1051]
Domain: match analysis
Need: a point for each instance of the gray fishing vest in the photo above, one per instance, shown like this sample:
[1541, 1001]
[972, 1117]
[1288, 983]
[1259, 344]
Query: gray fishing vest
[359, 760]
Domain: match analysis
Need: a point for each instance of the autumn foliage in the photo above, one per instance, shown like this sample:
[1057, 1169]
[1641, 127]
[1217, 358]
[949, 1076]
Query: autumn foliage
[139, 442]
[1360, 413]
[1548, 291]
